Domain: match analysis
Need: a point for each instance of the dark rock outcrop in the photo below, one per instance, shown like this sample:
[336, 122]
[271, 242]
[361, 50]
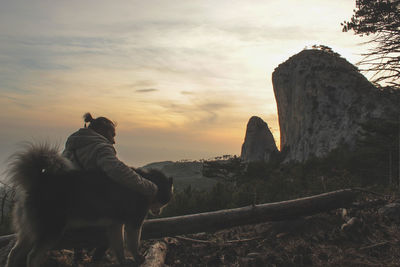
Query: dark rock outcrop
[259, 144]
[322, 99]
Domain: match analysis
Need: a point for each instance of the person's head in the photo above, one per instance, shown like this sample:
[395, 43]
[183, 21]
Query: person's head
[101, 125]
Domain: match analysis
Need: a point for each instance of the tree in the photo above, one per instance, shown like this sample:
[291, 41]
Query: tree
[380, 18]
[378, 149]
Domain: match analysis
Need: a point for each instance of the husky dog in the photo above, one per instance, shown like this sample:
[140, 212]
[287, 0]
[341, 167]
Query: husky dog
[52, 197]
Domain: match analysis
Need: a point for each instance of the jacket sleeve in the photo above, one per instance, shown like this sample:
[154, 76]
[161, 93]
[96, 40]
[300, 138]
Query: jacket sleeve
[118, 171]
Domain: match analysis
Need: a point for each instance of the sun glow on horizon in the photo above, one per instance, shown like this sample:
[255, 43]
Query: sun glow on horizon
[182, 79]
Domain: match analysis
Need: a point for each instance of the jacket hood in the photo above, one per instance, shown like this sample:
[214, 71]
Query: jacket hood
[84, 137]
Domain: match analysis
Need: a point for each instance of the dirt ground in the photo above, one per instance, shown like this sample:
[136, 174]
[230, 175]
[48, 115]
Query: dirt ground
[319, 240]
[369, 239]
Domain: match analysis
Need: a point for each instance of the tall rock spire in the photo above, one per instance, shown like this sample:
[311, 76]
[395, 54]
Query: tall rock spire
[322, 99]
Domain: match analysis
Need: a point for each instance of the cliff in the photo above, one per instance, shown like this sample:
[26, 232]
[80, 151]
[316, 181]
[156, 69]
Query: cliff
[322, 99]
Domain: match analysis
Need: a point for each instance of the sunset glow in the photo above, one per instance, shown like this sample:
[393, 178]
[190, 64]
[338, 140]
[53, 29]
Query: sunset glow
[181, 78]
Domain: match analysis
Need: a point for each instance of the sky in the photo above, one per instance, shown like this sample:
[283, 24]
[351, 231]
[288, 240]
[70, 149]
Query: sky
[180, 78]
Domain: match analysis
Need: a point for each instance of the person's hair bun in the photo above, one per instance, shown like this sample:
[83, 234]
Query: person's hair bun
[88, 117]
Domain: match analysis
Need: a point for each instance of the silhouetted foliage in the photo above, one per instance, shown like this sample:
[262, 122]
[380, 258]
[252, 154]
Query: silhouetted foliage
[379, 149]
[325, 49]
[382, 19]
[223, 168]
[365, 165]
[373, 162]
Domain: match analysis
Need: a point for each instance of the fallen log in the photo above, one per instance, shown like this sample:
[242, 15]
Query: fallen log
[5, 239]
[217, 220]
[222, 219]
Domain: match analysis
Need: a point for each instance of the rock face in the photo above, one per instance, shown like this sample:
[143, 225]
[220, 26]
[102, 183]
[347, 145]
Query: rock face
[322, 99]
[259, 144]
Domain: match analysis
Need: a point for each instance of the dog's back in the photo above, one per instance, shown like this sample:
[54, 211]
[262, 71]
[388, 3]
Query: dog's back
[93, 197]
[50, 191]
[52, 197]
[77, 199]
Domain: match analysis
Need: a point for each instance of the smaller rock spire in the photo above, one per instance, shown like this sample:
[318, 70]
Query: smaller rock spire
[259, 144]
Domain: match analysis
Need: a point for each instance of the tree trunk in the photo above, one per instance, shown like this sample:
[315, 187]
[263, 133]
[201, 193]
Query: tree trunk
[217, 220]
[390, 169]
[398, 140]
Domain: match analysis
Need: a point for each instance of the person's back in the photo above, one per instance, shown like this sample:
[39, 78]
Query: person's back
[91, 148]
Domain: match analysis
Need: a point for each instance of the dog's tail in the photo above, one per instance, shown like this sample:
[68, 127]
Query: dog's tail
[29, 167]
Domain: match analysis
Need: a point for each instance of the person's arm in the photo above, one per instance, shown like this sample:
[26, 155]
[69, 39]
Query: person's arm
[121, 173]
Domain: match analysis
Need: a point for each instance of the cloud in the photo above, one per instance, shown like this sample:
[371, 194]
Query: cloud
[142, 83]
[187, 92]
[30, 63]
[149, 90]
[17, 101]
[198, 111]
[255, 34]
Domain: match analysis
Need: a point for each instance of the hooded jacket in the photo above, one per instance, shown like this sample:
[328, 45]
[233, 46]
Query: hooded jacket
[89, 150]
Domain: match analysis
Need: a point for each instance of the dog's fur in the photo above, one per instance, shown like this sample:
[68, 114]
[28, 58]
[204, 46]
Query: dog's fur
[52, 197]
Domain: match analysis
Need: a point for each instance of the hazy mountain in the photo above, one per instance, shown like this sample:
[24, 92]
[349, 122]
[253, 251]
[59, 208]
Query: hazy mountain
[185, 173]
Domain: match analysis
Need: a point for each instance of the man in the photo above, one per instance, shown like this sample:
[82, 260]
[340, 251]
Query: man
[91, 148]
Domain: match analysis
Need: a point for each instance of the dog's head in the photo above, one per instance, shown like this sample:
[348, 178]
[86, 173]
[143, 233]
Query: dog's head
[165, 189]
[164, 195]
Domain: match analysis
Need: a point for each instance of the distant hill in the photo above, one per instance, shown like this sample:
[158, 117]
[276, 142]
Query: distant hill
[184, 173]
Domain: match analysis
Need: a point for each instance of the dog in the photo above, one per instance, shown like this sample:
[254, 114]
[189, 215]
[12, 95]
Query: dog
[53, 197]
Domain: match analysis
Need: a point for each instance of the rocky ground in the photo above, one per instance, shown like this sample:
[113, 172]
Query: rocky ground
[369, 238]
[313, 241]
